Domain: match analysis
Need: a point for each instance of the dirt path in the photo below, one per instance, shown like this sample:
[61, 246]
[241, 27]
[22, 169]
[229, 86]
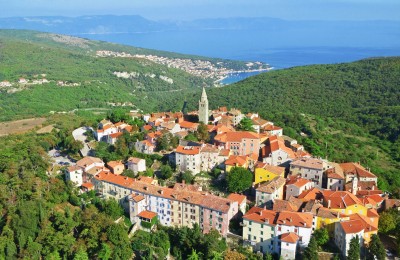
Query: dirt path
[20, 126]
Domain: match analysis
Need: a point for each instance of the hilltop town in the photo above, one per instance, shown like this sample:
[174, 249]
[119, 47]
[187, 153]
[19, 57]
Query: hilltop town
[291, 196]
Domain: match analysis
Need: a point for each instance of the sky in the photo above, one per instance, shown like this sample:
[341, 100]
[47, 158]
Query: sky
[196, 9]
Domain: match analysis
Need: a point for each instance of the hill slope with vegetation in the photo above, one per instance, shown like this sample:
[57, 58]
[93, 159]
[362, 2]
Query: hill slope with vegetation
[350, 111]
[87, 80]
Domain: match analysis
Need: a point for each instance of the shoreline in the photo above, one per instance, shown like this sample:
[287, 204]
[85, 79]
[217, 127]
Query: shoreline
[227, 74]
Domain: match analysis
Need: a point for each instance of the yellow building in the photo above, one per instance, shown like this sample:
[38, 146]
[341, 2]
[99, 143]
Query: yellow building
[326, 218]
[264, 172]
[343, 202]
[238, 161]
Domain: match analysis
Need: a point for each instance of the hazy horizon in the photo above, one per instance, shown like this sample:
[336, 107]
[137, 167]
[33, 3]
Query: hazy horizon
[330, 10]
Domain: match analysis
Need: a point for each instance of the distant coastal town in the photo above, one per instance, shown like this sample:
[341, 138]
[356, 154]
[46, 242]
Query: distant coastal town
[200, 68]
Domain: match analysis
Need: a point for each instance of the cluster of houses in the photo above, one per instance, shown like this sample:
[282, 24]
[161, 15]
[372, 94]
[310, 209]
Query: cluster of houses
[294, 193]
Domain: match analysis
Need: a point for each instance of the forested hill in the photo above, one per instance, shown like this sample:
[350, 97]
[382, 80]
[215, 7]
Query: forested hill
[77, 76]
[350, 111]
[366, 92]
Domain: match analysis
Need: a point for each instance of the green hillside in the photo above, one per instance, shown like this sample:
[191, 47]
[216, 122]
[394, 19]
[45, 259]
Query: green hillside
[351, 111]
[89, 80]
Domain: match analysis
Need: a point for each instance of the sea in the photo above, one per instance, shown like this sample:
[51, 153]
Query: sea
[280, 50]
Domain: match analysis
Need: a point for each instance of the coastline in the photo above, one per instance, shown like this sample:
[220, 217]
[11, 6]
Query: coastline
[230, 73]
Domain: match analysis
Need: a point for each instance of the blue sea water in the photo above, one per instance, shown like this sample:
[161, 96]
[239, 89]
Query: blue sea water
[279, 49]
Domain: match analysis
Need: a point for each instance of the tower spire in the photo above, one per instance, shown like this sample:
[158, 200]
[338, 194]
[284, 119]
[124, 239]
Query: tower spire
[203, 107]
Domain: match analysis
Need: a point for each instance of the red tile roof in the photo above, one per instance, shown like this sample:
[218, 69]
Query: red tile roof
[188, 125]
[237, 197]
[290, 237]
[312, 194]
[116, 135]
[237, 160]
[261, 215]
[114, 164]
[147, 214]
[296, 219]
[356, 169]
[134, 160]
[188, 150]
[340, 199]
[274, 169]
[137, 198]
[352, 226]
[147, 127]
[272, 185]
[235, 136]
[297, 181]
[88, 185]
[312, 163]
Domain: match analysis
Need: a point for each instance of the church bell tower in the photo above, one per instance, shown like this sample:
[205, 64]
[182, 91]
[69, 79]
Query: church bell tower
[203, 107]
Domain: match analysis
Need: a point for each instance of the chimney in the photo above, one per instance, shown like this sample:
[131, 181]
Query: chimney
[304, 224]
[373, 187]
[338, 214]
[329, 204]
[145, 188]
[290, 219]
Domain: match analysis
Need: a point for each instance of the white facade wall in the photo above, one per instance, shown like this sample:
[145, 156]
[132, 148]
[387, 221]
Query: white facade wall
[260, 236]
[335, 184]
[137, 167]
[303, 232]
[342, 240]
[264, 198]
[293, 190]
[277, 158]
[185, 162]
[208, 161]
[75, 177]
[288, 250]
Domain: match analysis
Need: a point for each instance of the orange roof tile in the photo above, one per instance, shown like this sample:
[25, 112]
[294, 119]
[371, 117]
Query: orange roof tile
[116, 135]
[290, 237]
[340, 199]
[147, 214]
[312, 194]
[188, 125]
[271, 168]
[352, 226]
[297, 181]
[134, 160]
[114, 164]
[296, 219]
[261, 215]
[272, 185]
[356, 169]
[237, 160]
[237, 197]
[88, 185]
[188, 150]
[137, 198]
[88, 160]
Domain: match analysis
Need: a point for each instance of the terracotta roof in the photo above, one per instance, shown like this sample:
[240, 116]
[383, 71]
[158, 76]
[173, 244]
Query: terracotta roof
[272, 185]
[369, 225]
[188, 150]
[312, 163]
[116, 135]
[147, 214]
[273, 169]
[372, 213]
[270, 127]
[297, 181]
[276, 143]
[116, 179]
[88, 160]
[340, 199]
[312, 194]
[290, 237]
[187, 124]
[88, 185]
[356, 169]
[335, 172]
[74, 168]
[235, 136]
[114, 164]
[137, 197]
[147, 127]
[135, 160]
[237, 160]
[224, 152]
[292, 204]
[352, 226]
[392, 203]
[327, 213]
[261, 215]
[146, 179]
[208, 148]
[237, 197]
[296, 219]
[312, 206]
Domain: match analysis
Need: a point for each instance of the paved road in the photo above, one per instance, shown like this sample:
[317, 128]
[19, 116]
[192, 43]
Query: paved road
[79, 134]
[59, 159]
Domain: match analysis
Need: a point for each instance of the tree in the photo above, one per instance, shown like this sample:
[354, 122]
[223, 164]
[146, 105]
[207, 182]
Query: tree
[311, 251]
[321, 236]
[233, 255]
[81, 255]
[202, 133]
[186, 176]
[354, 249]
[193, 255]
[165, 171]
[387, 221]
[376, 248]
[118, 115]
[105, 252]
[239, 179]
[246, 124]
[113, 209]
[128, 173]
